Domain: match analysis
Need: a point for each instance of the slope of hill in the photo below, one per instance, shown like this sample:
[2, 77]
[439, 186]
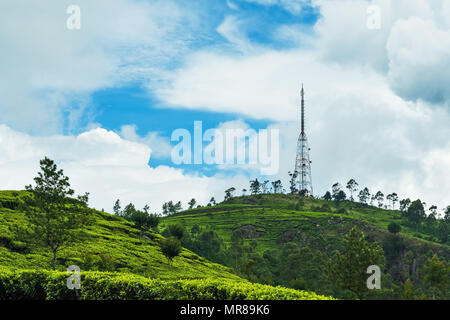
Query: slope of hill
[295, 238]
[112, 244]
[128, 264]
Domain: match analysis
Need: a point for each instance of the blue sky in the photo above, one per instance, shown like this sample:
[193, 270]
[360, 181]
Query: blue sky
[116, 107]
[135, 104]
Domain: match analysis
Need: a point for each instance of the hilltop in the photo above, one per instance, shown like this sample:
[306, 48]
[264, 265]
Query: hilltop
[294, 238]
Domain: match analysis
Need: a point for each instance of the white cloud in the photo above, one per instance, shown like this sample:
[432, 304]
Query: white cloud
[419, 63]
[231, 30]
[102, 163]
[160, 146]
[48, 70]
[411, 47]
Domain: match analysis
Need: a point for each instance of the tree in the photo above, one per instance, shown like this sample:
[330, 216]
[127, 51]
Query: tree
[170, 248]
[255, 186]
[393, 197]
[293, 182]
[404, 204]
[277, 186]
[437, 274]
[394, 228]
[340, 196]
[335, 189]
[177, 231]
[54, 218]
[229, 193]
[128, 211]
[433, 210]
[364, 195]
[244, 191]
[177, 207]
[212, 201]
[379, 196]
[237, 246]
[144, 220]
[265, 186]
[348, 269]
[192, 203]
[170, 208]
[327, 196]
[443, 231]
[416, 212]
[352, 186]
[117, 208]
[447, 214]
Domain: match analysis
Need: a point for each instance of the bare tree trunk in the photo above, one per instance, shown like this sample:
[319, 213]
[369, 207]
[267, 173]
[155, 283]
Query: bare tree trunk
[54, 259]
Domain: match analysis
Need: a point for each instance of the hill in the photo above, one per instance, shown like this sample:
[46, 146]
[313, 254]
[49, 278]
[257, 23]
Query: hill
[290, 240]
[122, 256]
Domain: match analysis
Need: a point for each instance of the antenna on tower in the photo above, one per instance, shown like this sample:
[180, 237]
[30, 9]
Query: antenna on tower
[303, 110]
[302, 161]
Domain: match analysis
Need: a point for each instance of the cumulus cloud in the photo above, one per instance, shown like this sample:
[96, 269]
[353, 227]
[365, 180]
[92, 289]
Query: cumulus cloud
[160, 146]
[419, 63]
[109, 167]
[410, 48]
[49, 71]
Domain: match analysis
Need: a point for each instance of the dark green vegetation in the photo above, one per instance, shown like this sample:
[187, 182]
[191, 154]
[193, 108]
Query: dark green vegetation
[41, 284]
[109, 243]
[288, 240]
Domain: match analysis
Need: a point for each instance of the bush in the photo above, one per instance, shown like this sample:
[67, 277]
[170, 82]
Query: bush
[170, 248]
[394, 228]
[51, 285]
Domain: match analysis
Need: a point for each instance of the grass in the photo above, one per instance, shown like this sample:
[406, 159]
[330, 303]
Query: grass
[110, 244]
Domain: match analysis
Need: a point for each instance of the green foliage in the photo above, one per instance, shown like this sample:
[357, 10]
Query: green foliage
[255, 186]
[394, 227]
[437, 275]
[54, 219]
[46, 285]
[393, 247]
[109, 243]
[171, 248]
[416, 212]
[141, 218]
[314, 232]
[348, 269]
[171, 208]
[176, 230]
[229, 193]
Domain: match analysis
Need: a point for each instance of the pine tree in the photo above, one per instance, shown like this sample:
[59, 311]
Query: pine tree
[54, 218]
[348, 269]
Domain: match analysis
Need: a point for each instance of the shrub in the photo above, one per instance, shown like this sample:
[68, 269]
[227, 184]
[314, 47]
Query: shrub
[394, 228]
[51, 285]
[170, 248]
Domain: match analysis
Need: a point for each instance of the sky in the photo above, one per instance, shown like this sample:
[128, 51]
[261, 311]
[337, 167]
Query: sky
[104, 99]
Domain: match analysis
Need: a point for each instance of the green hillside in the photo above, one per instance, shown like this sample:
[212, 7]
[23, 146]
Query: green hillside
[112, 244]
[292, 239]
